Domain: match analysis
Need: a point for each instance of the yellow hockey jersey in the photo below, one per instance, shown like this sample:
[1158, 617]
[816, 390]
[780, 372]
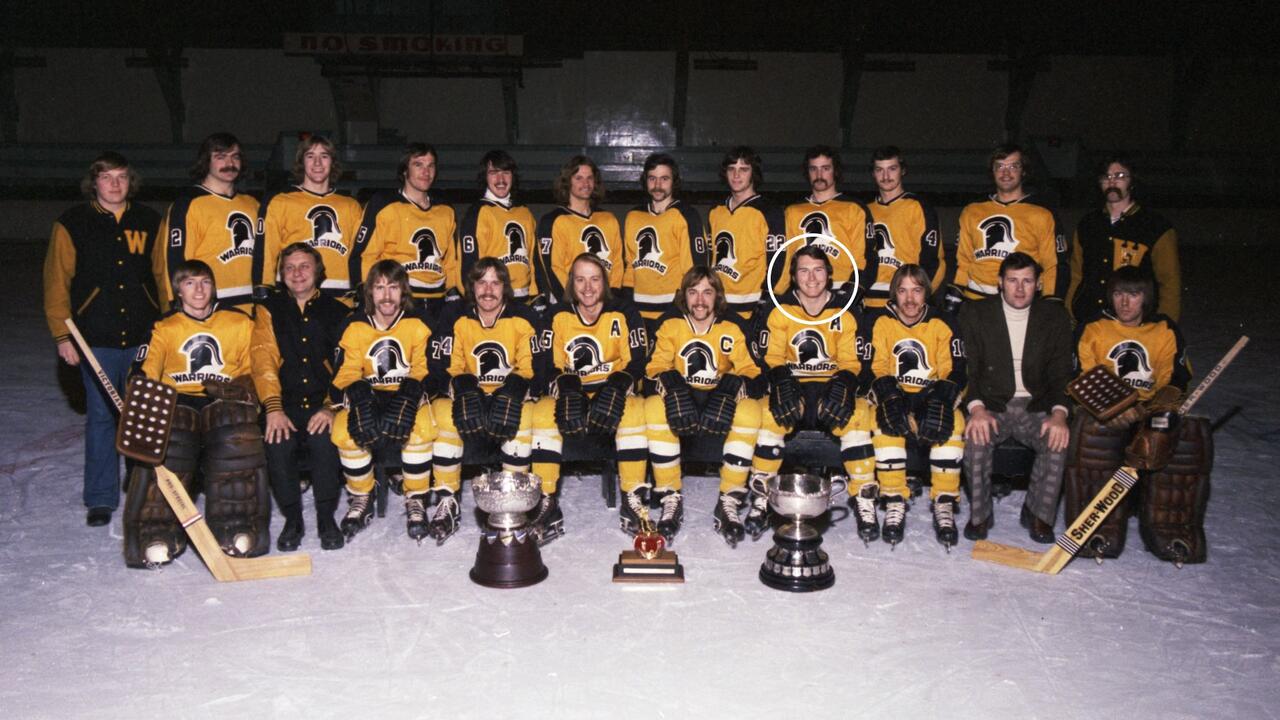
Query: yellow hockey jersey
[813, 351]
[383, 357]
[990, 230]
[658, 249]
[564, 235]
[702, 358]
[463, 345]
[184, 352]
[615, 342]
[327, 222]
[743, 240]
[490, 229]
[916, 355]
[904, 231]
[421, 239]
[1147, 357]
[218, 229]
[841, 217]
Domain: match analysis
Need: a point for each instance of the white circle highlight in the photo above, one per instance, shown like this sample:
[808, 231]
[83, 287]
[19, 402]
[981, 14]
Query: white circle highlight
[782, 251]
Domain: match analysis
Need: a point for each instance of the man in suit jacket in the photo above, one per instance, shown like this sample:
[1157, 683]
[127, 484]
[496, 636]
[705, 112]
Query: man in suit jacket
[1019, 349]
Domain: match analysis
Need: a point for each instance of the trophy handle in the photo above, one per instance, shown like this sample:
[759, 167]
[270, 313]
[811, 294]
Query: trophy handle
[839, 486]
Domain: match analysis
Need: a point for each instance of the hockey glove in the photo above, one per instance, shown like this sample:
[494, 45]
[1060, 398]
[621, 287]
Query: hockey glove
[892, 407]
[717, 416]
[608, 404]
[835, 407]
[571, 405]
[507, 404]
[398, 416]
[757, 387]
[677, 400]
[468, 406]
[786, 400]
[939, 412]
[362, 416]
[950, 300]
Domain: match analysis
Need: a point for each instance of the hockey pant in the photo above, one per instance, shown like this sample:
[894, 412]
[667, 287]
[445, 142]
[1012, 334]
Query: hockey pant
[148, 519]
[1174, 498]
[237, 490]
[448, 446]
[664, 446]
[415, 455]
[630, 442]
[944, 458]
[856, 452]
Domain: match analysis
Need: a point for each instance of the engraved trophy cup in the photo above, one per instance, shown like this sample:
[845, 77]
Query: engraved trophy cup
[508, 556]
[796, 562]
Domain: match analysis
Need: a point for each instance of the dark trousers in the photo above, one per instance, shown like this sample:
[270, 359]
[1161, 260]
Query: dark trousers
[326, 471]
[101, 462]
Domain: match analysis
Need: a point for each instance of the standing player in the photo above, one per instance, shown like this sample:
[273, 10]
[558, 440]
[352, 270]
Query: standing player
[663, 241]
[701, 379]
[905, 227]
[98, 269]
[746, 231]
[497, 227]
[917, 362]
[211, 223]
[413, 229]
[314, 213]
[577, 226]
[597, 350]
[489, 354]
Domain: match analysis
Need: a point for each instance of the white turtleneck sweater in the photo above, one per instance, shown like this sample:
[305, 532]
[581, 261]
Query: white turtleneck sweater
[1017, 321]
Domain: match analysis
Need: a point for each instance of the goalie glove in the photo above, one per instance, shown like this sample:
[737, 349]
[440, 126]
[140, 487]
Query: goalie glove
[677, 400]
[939, 412]
[835, 407]
[892, 407]
[507, 402]
[717, 416]
[468, 406]
[608, 404]
[362, 416]
[398, 416]
[786, 400]
[571, 405]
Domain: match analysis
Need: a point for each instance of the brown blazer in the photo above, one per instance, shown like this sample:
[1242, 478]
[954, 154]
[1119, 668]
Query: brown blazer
[1047, 364]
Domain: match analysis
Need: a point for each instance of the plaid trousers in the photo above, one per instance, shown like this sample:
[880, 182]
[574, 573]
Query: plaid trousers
[1045, 484]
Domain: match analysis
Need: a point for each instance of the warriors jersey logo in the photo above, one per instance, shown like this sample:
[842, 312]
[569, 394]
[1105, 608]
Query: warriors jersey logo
[912, 362]
[699, 364]
[884, 245]
[389, 364]
[726, 256]
[1132, 364]
[593, 242]
[240, 230]
[997, 237]
[517, 245]
[817, 223]
[492, 365]
[325, 232]
[204, 360]
[585, 357]
[428, 251]
[809, 347]
[649, 250]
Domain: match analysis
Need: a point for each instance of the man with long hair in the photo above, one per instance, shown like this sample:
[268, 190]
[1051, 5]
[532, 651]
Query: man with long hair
[496, 226]
[578, 225]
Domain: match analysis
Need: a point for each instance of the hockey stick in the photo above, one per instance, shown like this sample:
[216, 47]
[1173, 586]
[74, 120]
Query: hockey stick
[224, 567]
[1052, 561]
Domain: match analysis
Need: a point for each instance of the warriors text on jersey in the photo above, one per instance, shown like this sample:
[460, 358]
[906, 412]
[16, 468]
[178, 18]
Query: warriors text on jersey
[218, 229]
[1147, 357]
[184, 351]
[326, 222]
[421, 239]
[990, 230]
[463, 345]
[615, 342]
[916, 355]
[491, 229]
[702, 358]
[564, 235]
[812, 351]
[905, 231]
[743, 240]
[659, 249]
[383, 357]
[841, 217]
[1139, 237]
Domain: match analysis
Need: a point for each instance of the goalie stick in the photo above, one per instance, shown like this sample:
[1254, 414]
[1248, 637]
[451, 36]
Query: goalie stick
[224, 567]
[1052, 561]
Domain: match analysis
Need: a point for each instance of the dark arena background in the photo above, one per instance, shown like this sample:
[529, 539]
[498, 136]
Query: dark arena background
[389, 628]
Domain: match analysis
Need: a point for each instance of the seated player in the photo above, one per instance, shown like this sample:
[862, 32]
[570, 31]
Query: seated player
[1145, 350]
[701, 379]
[597, 353]
[488, 352]
[202, 350]
[382, 371]
[917, 362]
[814, 368]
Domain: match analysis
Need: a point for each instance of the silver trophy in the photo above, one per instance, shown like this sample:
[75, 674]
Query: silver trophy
[796, 562]
[508, 556]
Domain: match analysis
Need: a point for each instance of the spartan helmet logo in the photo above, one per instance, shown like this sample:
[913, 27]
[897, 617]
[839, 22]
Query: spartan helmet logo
[997, 234]
[810, 347]
[241, 228]
[725, 253]
[428, 250]
[584, 354]
[491, 359]
[1129, 358]
[912, 361]
[699, 363]
[388, 358]
[204, 354]
[324, 226]
[884, 241]
[514, 232]
[593, 242]
[647, 242]
[815, 222]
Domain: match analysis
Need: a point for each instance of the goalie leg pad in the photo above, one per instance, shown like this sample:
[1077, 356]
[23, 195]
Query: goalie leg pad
[148, 519]
[1174, 499]
[1096, 453]
[237, 497]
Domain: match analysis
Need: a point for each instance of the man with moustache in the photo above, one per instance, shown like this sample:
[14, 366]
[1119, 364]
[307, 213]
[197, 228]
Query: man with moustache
[497, 227]
[745, 232]
[577, 226]
[905, 227]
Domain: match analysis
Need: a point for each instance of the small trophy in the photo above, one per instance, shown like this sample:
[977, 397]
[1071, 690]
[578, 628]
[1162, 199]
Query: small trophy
[796, 562]
[650, 562]
[508, 556]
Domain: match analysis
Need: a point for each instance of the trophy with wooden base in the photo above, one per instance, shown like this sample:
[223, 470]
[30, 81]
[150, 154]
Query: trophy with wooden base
[508, 556]
[796, 562]
[650, 561]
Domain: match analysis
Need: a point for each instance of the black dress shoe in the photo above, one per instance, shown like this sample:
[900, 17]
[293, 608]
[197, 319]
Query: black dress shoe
[977, 532]
[1039, 530]
[98, 517]
[290, 537]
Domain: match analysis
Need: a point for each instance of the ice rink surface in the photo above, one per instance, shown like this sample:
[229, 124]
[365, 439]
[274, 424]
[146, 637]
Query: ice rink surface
[389, 629]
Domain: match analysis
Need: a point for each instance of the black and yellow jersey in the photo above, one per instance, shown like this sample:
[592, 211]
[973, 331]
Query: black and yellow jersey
[1139, 238]
[841, 217]
[904, 231]
[184, 352]
[915, 355]
[463, 345]
[491, 229]
[702, 358]
[383, 357]
[659, 248]
[815, 347]
[990, 230]
[615, 342]
[564, 235]
[1147, 357]
[421, 239]
[220, 230]
[743, 239]
[327, 222]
